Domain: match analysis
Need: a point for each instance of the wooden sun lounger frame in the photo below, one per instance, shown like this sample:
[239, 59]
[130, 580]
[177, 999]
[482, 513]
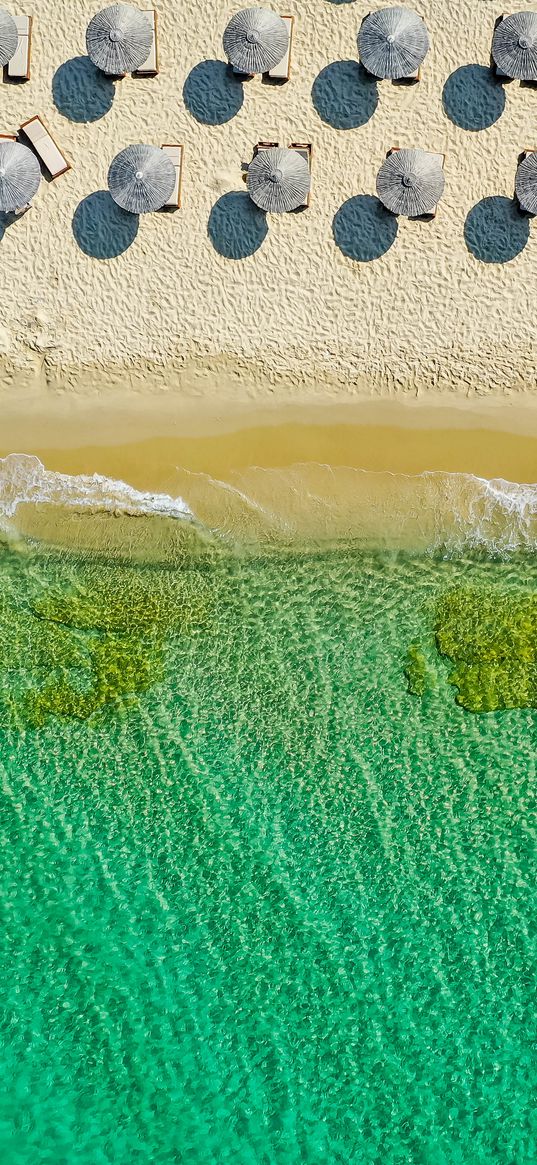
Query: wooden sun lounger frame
[265, 146]
[153, 71]
[306, 149]
[24, 50]
[24, 130]
[175, 202]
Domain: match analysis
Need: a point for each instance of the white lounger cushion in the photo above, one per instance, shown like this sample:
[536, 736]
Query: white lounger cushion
[280, 72]
[306, 155]
[150, 65]
[19, 65]
[46, 148]
[175, 153]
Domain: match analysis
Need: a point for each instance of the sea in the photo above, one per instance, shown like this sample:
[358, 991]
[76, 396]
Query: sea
[268, 885]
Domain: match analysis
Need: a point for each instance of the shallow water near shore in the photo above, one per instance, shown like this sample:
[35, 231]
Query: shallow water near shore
[261, 900]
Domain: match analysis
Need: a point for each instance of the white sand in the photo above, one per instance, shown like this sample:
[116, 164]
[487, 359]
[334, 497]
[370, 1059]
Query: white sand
[297, 317]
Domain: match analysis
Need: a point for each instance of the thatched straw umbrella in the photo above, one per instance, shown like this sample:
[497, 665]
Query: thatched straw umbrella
[141, 179]
[410, 182]
[9, 37]
[392, 43]
[278, 180]
[119, 39]
[526, 184]
[514, 46]
[20, 175]
[255, 40]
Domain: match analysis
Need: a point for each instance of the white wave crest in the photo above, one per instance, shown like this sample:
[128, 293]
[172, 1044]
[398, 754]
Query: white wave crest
[23, 479]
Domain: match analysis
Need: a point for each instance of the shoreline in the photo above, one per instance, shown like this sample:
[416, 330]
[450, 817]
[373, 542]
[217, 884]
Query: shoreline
[385, 474]
[146, 442]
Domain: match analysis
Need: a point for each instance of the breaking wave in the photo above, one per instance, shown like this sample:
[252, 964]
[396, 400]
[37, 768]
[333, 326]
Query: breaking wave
[439, 512]
[24, 480]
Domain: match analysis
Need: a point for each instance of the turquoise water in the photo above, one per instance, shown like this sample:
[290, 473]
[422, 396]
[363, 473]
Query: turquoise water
[266, 906]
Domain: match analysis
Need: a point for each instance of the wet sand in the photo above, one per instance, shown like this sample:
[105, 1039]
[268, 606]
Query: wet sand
[150, 445]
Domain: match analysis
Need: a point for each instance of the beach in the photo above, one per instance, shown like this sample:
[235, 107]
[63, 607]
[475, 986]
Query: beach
[175, 314]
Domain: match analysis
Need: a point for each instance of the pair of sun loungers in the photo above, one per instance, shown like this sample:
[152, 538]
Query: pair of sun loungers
[150, 67]
[281, 71]
[412, 77]
[440, 158]
[304, 148]
[44, 145]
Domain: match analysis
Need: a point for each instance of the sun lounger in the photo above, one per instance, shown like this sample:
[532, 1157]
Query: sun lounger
[498, 72]
[306, 149]
[45, 147]
[18, 68]
[265, 146]
[439, 157]
[8, 137]
[282, 71]
[176, 154]
[150, 66]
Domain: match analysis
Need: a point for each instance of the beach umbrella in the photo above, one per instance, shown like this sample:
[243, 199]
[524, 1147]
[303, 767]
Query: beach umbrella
[514, 46]
[9, 37]
[119, 39]
[410, 182]
[278, 180]
[526, 184]
[255, 40]
[20, 175]
[141, 179]
[393, 42]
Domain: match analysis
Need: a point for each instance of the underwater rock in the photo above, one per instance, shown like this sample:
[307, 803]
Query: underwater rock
[491, 638]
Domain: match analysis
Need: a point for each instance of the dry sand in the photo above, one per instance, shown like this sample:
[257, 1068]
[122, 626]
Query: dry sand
[171, 317]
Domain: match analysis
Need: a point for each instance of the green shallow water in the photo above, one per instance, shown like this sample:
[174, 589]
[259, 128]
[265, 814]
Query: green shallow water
[267, 905]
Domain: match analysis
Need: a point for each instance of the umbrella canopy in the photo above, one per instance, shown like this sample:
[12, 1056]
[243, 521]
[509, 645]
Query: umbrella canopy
[393, 42]
[141, 179]
[9, 37]
[411, 182]
[278, 180]
[255, 40]
[526, 184]
[514, 46]
[119, 39]
[20, 175]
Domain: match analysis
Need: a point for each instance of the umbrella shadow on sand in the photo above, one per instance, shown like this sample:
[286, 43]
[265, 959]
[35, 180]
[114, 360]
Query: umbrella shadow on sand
[8, 220]
[101, 228]
[363, 229]
[344, 95]
[496, 230]
[212, 93]
[473, 97]
[81, 92]
[237, 227]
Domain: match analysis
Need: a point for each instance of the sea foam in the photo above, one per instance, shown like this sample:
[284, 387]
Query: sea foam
[439, 512]
[24, 479]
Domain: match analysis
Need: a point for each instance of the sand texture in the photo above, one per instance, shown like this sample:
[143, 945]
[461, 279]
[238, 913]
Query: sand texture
[92, 299]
